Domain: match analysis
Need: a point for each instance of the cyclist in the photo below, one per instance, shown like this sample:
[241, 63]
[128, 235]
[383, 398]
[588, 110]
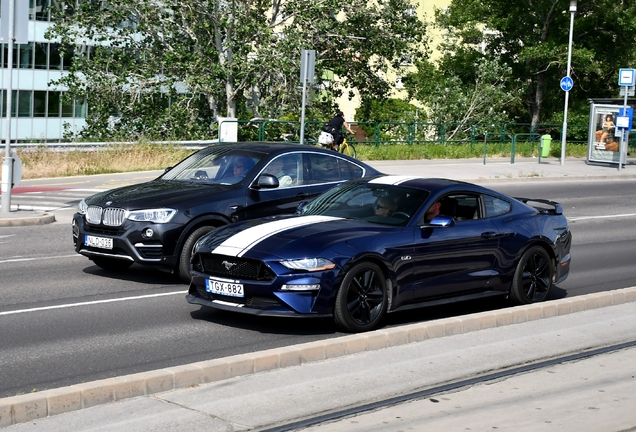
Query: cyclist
[334, 127]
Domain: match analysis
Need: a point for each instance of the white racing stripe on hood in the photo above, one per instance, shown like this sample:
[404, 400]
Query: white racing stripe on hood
[392, 180]
[240, 243]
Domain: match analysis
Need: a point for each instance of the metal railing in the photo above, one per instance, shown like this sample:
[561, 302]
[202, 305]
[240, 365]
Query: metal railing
[380, 133]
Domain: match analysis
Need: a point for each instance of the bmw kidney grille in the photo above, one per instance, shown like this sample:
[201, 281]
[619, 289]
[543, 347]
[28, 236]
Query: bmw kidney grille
[109, 217]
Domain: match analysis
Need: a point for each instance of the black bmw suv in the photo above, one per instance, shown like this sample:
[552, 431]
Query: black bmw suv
[158, 222]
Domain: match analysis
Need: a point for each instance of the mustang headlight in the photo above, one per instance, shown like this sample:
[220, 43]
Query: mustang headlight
[152, 215]
[82, 207]
[309, 264]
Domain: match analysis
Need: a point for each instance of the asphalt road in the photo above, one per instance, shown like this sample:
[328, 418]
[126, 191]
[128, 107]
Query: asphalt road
[66, 321]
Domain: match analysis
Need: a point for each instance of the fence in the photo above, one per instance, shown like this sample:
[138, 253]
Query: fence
[382, 133]
[404, 133]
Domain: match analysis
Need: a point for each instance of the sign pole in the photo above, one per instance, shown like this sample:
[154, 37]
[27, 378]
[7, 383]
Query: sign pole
[626, 79]
[566, 83]
[7, 161]
[305, 55]
[307, 63]
[623, 132]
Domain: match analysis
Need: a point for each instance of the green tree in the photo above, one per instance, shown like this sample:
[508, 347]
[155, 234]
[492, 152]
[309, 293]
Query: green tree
[458, 103]
[168, 68]
[531, 38]
[392, 115]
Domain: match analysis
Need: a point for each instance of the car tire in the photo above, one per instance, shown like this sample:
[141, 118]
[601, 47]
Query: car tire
[186, 252]
[533, 277]
[111, 263]
[361, 301]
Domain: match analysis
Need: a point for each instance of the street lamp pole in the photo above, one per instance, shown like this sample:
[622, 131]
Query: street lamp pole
[567, 93]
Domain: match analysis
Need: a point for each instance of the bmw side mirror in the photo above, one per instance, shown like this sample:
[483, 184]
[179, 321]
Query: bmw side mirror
[266, 181]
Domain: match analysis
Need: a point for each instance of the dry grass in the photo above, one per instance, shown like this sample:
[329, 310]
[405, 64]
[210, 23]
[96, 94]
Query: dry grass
[44, 162]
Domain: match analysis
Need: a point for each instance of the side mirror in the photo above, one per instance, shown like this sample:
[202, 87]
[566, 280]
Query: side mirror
[266, 181]
[442, 221]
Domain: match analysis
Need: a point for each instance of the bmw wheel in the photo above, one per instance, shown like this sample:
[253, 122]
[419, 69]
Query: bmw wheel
[186, 252]
[533, 277]
[361, 301]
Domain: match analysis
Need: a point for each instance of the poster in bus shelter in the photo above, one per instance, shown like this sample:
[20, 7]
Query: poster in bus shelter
[604, 139]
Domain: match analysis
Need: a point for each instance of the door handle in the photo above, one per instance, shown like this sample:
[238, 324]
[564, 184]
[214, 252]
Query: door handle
[489, 234]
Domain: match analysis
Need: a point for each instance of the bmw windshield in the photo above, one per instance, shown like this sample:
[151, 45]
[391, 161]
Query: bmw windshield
[215, 165]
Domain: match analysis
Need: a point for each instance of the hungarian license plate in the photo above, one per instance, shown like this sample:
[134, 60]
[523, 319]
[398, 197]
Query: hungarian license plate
[226, 288]
[98, 242]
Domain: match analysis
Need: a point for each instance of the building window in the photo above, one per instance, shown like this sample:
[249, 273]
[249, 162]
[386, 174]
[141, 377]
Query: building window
[42, 8]
[25, 98]
[14, 99]
[81, 108]
[67, 108]
[55, 57]
[41, 55]
[39, 103]
[54, 104]
[26, 55]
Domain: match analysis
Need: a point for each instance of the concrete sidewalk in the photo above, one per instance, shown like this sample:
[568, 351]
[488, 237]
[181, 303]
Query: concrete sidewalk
[269, 389]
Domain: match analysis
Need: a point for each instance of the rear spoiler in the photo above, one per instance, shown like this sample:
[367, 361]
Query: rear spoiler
[544, 206]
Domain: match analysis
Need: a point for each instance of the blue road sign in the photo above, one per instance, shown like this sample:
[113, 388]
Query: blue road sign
[566, 83]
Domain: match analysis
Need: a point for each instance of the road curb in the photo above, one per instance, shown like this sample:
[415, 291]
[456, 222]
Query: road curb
[28, 407]
[45, 218]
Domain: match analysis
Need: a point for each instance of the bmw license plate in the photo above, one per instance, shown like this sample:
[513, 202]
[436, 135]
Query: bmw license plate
[226, 288]
[98, 242]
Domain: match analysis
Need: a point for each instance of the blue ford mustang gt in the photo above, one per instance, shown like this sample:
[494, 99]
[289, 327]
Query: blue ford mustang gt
[380, 245]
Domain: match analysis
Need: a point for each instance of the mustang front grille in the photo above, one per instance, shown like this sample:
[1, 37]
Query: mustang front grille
[109, 217]
[232, 267]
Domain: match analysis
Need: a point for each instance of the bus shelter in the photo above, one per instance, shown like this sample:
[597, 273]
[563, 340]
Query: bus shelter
[604, 137]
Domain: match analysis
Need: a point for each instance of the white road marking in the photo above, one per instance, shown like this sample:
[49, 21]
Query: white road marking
[573, 219]
[70, 305]
[19, 259]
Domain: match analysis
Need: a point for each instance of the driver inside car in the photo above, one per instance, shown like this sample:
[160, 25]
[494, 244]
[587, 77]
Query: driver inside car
[385, 207]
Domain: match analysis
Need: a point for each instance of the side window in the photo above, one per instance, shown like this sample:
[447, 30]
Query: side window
[495, 206]
[322, 168]
[460, 206]
[286, 169]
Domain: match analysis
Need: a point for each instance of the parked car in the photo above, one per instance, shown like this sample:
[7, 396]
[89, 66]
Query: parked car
[158, 222]
[367, 247]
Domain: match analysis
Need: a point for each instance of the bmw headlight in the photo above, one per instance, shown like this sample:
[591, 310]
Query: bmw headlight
[309, 264]
[152, 215]
[82, 207]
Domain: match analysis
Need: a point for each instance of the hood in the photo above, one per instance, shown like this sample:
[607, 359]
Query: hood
[288, 236]
[156, 193]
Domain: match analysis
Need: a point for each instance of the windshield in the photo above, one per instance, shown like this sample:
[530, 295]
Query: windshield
[216, 164]
[376, 203]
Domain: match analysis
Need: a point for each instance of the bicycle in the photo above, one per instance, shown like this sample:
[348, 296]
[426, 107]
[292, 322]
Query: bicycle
[344, 148]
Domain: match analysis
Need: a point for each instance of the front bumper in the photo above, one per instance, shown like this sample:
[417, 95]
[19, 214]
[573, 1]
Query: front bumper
[129, 242]
[261, 298]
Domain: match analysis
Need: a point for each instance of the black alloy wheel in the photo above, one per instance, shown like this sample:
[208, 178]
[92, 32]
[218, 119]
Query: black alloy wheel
[361, 301]
[533, 277]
